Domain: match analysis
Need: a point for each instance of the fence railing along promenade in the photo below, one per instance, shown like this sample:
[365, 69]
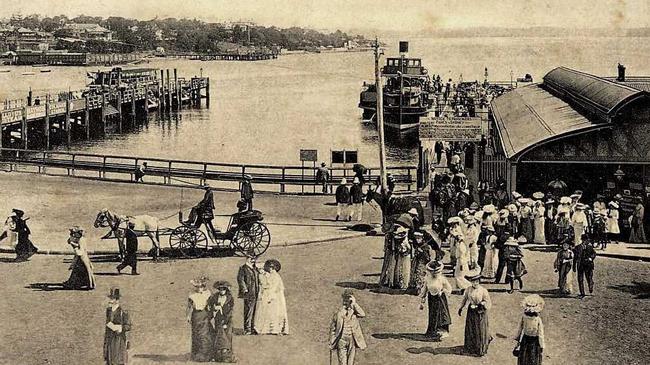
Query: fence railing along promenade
[285, 179]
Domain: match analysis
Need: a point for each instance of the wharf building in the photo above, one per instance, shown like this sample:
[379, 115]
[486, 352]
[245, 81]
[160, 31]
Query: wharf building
[591, 132]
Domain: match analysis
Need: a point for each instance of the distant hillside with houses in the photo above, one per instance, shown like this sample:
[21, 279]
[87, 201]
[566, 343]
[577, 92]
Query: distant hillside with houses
[123, 35]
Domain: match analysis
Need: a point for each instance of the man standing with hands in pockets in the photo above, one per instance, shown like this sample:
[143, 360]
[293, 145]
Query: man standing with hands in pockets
[345, 331]
[248, 282]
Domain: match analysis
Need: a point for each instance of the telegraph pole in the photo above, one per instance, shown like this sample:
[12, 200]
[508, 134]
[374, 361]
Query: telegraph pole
[380, 118]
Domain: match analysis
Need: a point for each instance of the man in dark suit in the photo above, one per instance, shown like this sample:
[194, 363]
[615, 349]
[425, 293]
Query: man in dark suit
[247, 191]
[583, 262]
[203, 212]
[345, 332]
[248, 282]
[130, 259]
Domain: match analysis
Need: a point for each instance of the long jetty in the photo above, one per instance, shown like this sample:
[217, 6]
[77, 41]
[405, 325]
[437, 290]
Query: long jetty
[282, 179]
[223, 56]
[113, 106]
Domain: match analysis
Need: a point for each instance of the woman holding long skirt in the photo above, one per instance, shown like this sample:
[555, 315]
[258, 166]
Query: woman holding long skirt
[491, 255]
[81, 275]
[200, 318]
[221, 304]
[435, 290]
[388, 266]
[562, 265]
[530, 336]
[402, 273]
[477, 331]
[422, 255]
[271, 308]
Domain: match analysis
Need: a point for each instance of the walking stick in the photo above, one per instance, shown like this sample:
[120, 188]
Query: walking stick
[330, 356]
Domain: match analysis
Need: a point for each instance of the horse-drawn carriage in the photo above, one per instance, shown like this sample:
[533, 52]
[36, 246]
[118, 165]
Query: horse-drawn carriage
[245, 234]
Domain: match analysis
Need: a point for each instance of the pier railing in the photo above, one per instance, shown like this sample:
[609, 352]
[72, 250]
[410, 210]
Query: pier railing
[285, 179]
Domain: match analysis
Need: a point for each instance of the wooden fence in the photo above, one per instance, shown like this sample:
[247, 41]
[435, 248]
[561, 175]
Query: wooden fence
[285, 179]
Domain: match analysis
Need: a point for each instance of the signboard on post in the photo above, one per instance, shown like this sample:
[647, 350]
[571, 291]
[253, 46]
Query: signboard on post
[309, 155]
[451, 129]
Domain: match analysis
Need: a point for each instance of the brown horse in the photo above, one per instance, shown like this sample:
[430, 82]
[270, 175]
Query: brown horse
[393, 206]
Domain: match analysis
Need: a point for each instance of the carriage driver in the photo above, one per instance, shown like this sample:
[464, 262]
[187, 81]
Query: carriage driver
[203, 212]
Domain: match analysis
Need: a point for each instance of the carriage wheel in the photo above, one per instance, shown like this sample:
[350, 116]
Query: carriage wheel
[252, 237]
[190, 242]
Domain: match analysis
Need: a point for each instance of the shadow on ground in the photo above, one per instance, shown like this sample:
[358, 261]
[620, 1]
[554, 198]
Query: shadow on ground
[454, 350]
[372, 287]
[47, 286]
[404, 336]
[164, 358]
[640, 290]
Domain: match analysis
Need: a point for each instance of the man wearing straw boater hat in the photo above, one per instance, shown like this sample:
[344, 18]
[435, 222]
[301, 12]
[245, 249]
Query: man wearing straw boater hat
[345, 331]
[117, 325]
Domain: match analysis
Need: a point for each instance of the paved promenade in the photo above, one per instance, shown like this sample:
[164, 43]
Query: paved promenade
[66, 327]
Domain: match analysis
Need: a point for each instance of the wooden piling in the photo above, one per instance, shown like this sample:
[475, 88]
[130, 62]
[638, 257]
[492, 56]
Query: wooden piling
[68, 126]
[133, 88]
[119, 110]
[23, 128]
[161, 93]
[87, 119]
[169, 92]
[104, 113]
[207, 93]
[46, 123]
[178, 91]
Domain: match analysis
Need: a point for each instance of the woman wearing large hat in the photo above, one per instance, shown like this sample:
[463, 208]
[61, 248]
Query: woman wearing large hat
[539, 220]
[221, 305]
[199, 317]
[579, 223]
[530, 337]
[515, 267]
[81, 274]
[271, 308]
[563, 263]
[117, 326]
[435, 290]
[613, 229]
[477, 332]
[637, 233]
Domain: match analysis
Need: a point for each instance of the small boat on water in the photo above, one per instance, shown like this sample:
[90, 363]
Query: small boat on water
[28, 73]
[4, 71]
[46, 70]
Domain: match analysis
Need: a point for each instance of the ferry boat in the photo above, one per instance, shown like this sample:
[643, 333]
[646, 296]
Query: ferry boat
[407, 93]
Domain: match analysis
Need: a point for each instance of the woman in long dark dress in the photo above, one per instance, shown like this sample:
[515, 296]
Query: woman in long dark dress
[562, 265]
[81, 276]
[435, 289]
[200, 318]
[477, 329]
[530, 336]
[515, 267]
[221, 304]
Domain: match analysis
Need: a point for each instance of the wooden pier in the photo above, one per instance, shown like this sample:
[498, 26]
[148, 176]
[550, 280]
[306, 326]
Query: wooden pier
[272, 178]
[224, 56]
[38, 122]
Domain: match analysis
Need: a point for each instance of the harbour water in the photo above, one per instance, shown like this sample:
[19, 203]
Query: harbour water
[264, 112]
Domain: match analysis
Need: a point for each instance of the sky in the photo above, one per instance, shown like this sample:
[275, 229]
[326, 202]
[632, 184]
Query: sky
[394, 15]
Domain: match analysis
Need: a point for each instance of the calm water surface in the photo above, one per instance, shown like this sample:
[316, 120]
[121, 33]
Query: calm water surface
[265, 112]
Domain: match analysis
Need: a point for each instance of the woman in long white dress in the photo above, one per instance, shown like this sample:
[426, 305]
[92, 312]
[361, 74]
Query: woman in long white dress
[491, 254]
[612, 222]
[271, 309]
[538, 222]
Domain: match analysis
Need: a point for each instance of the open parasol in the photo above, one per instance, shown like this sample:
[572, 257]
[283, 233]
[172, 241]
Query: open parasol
[557, 187]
